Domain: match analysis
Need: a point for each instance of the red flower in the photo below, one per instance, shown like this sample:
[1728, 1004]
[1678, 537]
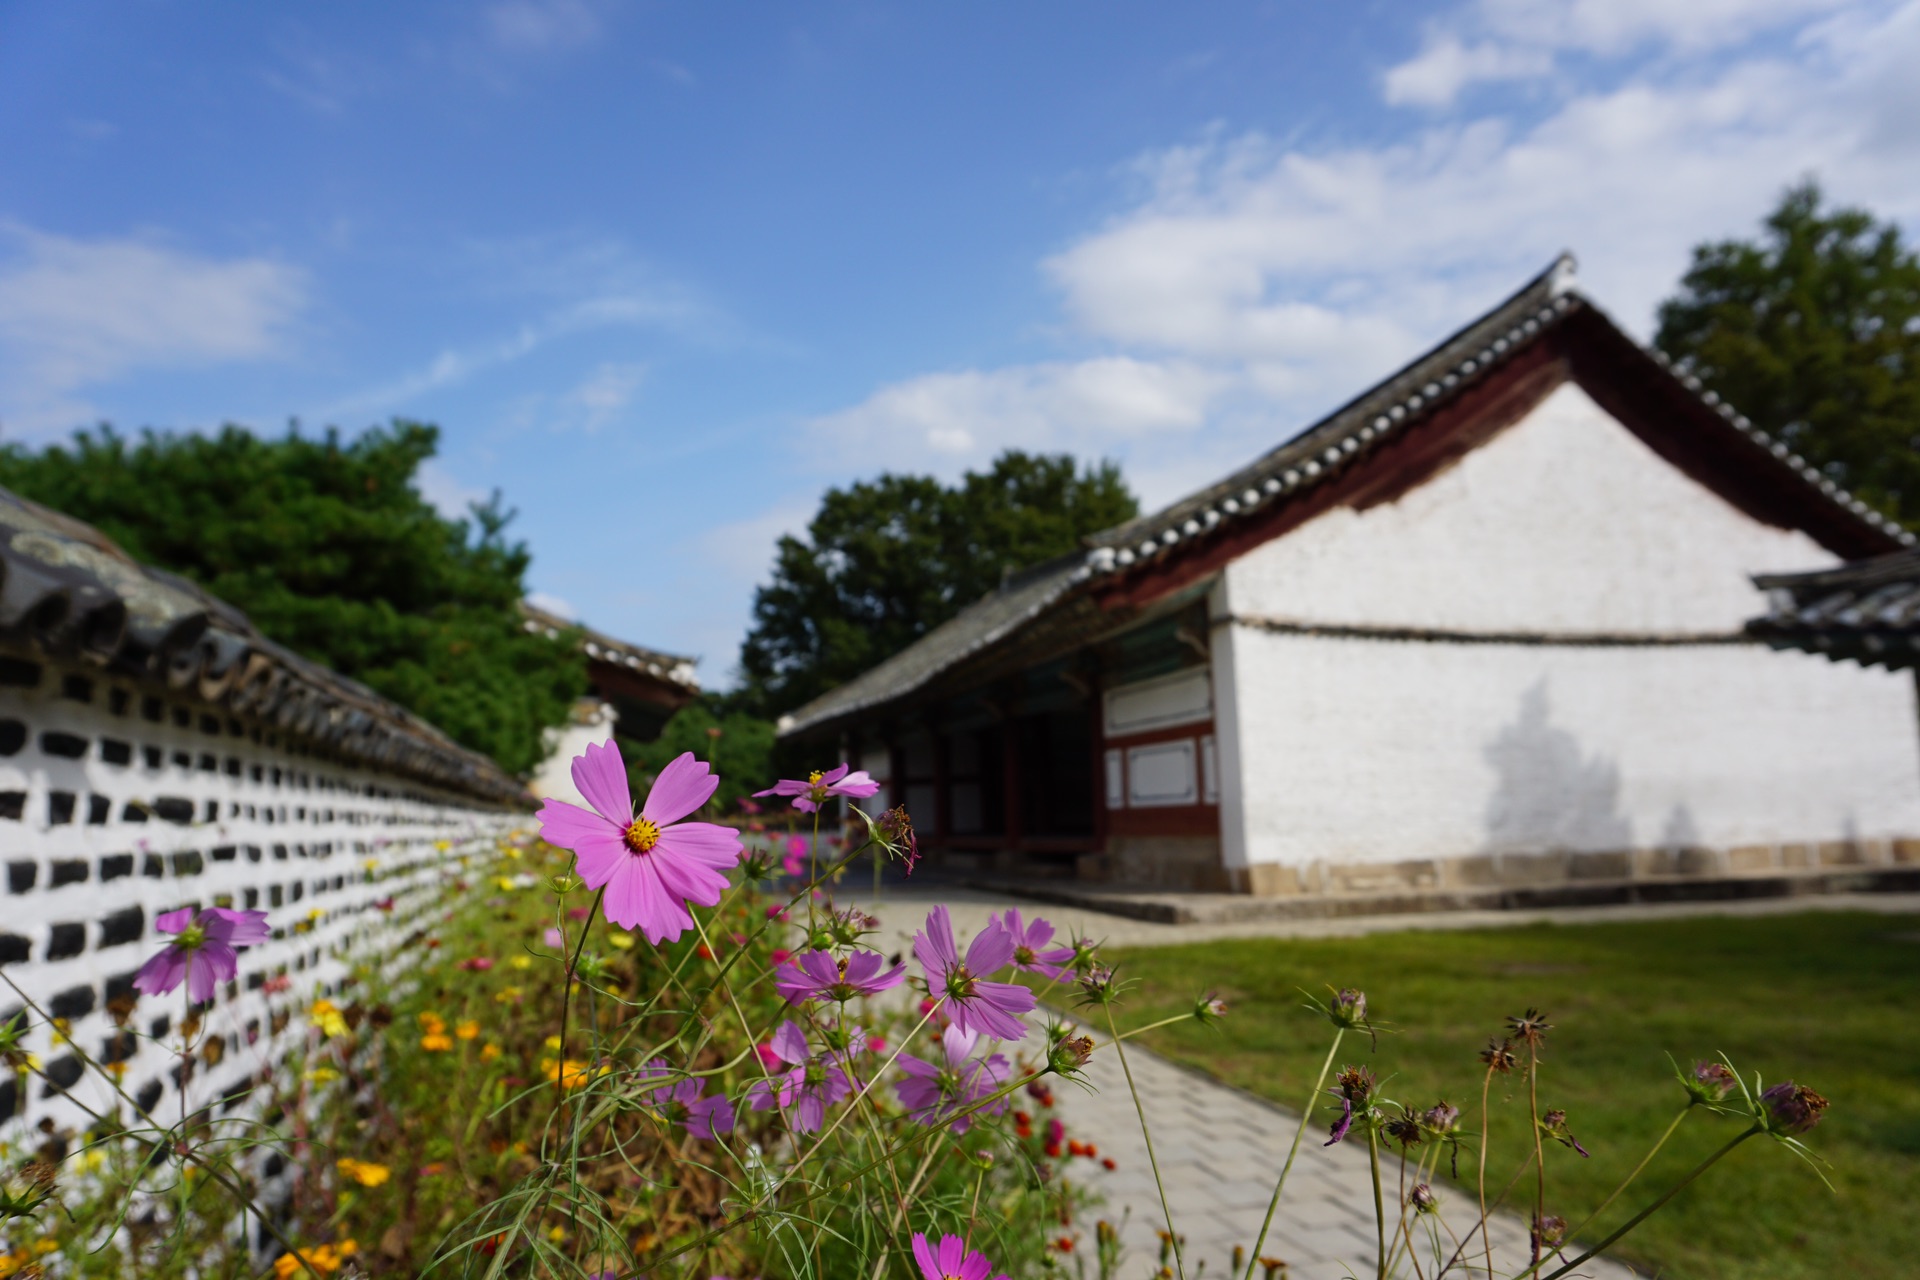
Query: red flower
[477, 964]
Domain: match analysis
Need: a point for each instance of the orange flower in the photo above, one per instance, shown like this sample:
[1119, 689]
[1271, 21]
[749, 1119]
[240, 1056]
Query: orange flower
[322, 1260]
[436, 1042]
[363, 1172]
[467, 1030]
[569, 1073]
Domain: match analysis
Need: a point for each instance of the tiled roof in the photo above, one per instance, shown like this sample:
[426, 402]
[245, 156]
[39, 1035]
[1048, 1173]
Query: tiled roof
[67, 589]
[1868, 611]
[600, 647]
[1330, 447]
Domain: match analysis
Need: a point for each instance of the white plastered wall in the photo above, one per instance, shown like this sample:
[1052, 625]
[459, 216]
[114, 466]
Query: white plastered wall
[1358, 749]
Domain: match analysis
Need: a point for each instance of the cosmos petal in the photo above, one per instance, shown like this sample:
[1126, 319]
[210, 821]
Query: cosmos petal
[174, 921]
[683, 786]
[564, 825]
[601, 776]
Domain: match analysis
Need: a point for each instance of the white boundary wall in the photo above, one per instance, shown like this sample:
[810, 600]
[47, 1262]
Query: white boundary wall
[234, 815]
[1363, 749]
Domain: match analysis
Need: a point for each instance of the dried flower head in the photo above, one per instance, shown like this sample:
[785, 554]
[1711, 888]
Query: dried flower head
[1070, 1055]
[1405, 1129]
[1440, 1118]
[894, 831]
[1530, 1028]
[1790, 1109]
[1354, 1087]
[1549, 1232]
[1498, 1055]
[26, 1189]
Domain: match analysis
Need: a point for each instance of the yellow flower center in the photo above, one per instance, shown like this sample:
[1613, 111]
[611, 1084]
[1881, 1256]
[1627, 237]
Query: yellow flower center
[813, 779]
[642, 835]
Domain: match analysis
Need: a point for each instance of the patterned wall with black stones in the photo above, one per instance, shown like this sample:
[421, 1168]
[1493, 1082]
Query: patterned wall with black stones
[119, 802]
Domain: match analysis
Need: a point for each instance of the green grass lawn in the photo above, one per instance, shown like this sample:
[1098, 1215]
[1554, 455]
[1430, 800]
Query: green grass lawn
[1830, 1000]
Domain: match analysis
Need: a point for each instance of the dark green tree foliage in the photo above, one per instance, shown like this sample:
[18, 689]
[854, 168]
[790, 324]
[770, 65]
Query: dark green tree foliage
[885, 561]
[330, 549]
[737, 745]
[1814, 333]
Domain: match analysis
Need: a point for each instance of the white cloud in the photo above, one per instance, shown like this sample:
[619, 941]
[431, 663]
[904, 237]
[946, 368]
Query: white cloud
[446, 494]
[971, 415]
[607, 390]
[1253, 284]
[1495, 40]
[77, 313]
[538, 26]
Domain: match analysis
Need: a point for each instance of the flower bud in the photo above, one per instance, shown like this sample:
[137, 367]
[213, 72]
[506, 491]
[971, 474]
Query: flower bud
[1209, 1008]
[1424, 1200]
[1708, 1082]
[1549, 1232]
[1440, 1118]
[1790, 1109]
[26, 1189]
[1348, 1008]
[1070, 1055]
[1554, 1125]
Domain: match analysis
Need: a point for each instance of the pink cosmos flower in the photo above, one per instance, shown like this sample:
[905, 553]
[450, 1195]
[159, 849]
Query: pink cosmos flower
[974, 1004]
[950, 1260]
[683, 1104]
[819, 975]
[934, 1091]
[808, 796]
[653, 864]
[806, 1089]
[795, 860]
[1028, 943]
[205, 954]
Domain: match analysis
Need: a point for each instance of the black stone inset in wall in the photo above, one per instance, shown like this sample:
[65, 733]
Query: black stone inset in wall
[14, 948]
[22, 875]
[188, 862]
[67, 871]
[74, 1002]
[119, 1047]
[118, 700]
[9, 1100]
[18, 671]
[175, 809]
[154, 757]
[115, 865]
[133, 811]
[224, 852]
[68, 746]
[62, 1073]
[59, 807]
[114, 751]
[13, 736]
[121, 984]
[13, 804]
[79, 688]
[149, 1096]
[64, 940]
[123, 927]
[99, 809]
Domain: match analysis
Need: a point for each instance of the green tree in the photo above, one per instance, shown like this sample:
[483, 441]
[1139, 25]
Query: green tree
[330, 549]
[885, 561]
[1814, 333]
[737, 745]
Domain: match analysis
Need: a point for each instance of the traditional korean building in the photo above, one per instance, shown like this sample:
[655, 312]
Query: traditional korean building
[1480, 629]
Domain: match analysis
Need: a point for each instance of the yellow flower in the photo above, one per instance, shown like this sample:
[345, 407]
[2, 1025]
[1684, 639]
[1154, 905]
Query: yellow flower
[320, 1075]
[467, 1030]
[505, 883]
[507, 995]
[443, 845]
[521, 962]
[553, 1043]
[624, 941]
[325, 1015]
[569, 1073]
[364, 1172]
[432, 1023]
[436, 1042]
[62, 1029]
[13, 1264]
[489, 1052]
[371, 864]
[322, 1260]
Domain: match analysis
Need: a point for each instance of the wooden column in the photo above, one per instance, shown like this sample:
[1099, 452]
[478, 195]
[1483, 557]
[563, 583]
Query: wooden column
[1010, 791]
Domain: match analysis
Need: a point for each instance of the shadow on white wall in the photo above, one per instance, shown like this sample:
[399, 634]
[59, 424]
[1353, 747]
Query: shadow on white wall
[1550, 794]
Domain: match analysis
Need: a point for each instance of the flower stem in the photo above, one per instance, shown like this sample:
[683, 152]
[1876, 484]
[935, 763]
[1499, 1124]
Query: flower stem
[867, 1087]
[1637, 1169]
[1539, 1158]
[1306, 1116]
[1486, 1240]
[1152, 1161]
[1648, 1212]
[1379, 1206]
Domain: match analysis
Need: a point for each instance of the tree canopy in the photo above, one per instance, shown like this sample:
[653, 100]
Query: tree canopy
[329, 548]
[887, 560]
[1813, 331]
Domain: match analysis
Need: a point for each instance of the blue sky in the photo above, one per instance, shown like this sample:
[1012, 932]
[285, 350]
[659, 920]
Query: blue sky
[664, 272]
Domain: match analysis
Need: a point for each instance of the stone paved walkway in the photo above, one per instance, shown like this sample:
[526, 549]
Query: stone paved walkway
[1219, 1148]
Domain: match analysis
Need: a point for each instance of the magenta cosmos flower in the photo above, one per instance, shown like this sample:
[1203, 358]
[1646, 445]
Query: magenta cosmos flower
[950, 1259]
[808, 796]
[651, 864]
[974, 1004]
[820, 975]
[932, 1092]
[682, 1102]
[1030, 951]
[206, 952]
[806, 1089]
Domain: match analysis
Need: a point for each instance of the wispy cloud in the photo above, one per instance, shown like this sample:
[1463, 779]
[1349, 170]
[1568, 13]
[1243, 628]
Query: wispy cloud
[606, 392]
[540, 26]
[1253, 283]
[76, 313]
